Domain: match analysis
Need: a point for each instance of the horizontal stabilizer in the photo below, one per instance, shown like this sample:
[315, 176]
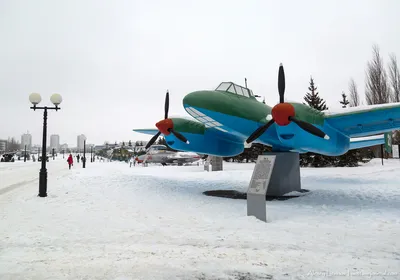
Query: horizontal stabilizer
[150, 131]
[363, 142]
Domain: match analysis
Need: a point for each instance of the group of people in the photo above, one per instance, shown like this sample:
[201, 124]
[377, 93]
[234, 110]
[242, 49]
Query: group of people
[132, 161]
[70, 160]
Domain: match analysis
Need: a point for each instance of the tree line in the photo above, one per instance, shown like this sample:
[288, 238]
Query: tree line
[12, 145]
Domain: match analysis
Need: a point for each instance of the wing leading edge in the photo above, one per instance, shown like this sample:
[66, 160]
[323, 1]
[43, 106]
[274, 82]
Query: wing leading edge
[365, 120]
[149, 131]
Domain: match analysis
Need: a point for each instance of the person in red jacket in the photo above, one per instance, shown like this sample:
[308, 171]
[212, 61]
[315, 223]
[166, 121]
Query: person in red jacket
[70, 161]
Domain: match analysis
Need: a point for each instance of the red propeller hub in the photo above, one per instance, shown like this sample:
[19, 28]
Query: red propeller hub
[164, 125]
[281, 113]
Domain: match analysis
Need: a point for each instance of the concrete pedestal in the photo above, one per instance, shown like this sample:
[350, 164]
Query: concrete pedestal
[285, 177]
[216, 163]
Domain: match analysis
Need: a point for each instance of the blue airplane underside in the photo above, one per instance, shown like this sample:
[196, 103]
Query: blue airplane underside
[283, 138]
[226, 141]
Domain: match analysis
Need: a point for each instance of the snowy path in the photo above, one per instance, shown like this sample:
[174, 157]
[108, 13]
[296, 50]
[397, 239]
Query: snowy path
[109, 221]
[19, 174]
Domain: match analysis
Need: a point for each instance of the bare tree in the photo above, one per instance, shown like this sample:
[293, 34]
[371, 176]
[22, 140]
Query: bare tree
[394, 75]
[354, 96]
[377, 90]
[12, 145]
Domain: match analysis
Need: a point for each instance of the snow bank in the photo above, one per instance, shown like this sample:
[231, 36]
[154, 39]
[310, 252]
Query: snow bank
[109, 221]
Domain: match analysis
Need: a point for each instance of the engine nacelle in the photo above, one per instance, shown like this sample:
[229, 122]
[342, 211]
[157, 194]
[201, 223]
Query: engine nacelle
[208, 143]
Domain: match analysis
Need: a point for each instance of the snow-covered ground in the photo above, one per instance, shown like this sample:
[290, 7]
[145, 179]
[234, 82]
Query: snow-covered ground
[109, 221]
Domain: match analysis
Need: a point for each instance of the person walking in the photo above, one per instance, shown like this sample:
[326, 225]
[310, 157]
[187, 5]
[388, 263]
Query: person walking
[70, 161]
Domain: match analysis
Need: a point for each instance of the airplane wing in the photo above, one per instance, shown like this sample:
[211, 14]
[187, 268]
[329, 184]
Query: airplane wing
[365, 120]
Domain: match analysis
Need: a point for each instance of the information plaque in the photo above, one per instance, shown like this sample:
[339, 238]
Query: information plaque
[261, 175]
[259, 186]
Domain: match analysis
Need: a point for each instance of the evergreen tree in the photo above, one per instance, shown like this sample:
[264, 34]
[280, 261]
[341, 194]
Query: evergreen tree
[312, 98]
[250, 154]
[130, 143]
[162, 141]
[344, 101]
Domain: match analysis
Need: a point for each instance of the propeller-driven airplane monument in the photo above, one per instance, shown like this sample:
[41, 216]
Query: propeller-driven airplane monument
[160, 154]
[230, 117]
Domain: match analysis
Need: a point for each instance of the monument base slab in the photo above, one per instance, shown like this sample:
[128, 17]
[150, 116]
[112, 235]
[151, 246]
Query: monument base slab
[285, 177]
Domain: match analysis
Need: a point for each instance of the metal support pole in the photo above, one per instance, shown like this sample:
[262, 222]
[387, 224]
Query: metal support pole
[84, 154]
[382, 153]
[25, 154]
[52, 153]
[43, 170]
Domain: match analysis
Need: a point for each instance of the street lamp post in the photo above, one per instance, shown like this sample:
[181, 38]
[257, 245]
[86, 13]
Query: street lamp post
[52, 153]
[25, 154]
[91, 153]
[35, 99]
[84, 154]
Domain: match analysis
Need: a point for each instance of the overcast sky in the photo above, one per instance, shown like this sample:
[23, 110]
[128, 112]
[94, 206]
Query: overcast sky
[112, 61]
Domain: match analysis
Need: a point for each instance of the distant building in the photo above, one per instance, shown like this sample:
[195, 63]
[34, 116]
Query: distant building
[36, 149]
[55, 142]
[80, 142]
[64, 147]
[99, 147]
[26, 139]
[3, 146]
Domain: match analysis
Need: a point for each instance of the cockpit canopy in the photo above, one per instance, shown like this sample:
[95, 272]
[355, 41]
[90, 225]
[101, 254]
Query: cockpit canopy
[157, 149]
[235, 89]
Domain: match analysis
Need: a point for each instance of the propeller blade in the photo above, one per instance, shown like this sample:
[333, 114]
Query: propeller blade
[281, 84]
[259, 131]
[179, 136]
[166, 105]
[310, 128]
[152, 140]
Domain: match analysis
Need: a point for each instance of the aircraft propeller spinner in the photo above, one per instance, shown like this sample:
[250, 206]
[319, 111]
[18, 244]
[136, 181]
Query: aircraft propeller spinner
[284, 113]
[166, 126]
